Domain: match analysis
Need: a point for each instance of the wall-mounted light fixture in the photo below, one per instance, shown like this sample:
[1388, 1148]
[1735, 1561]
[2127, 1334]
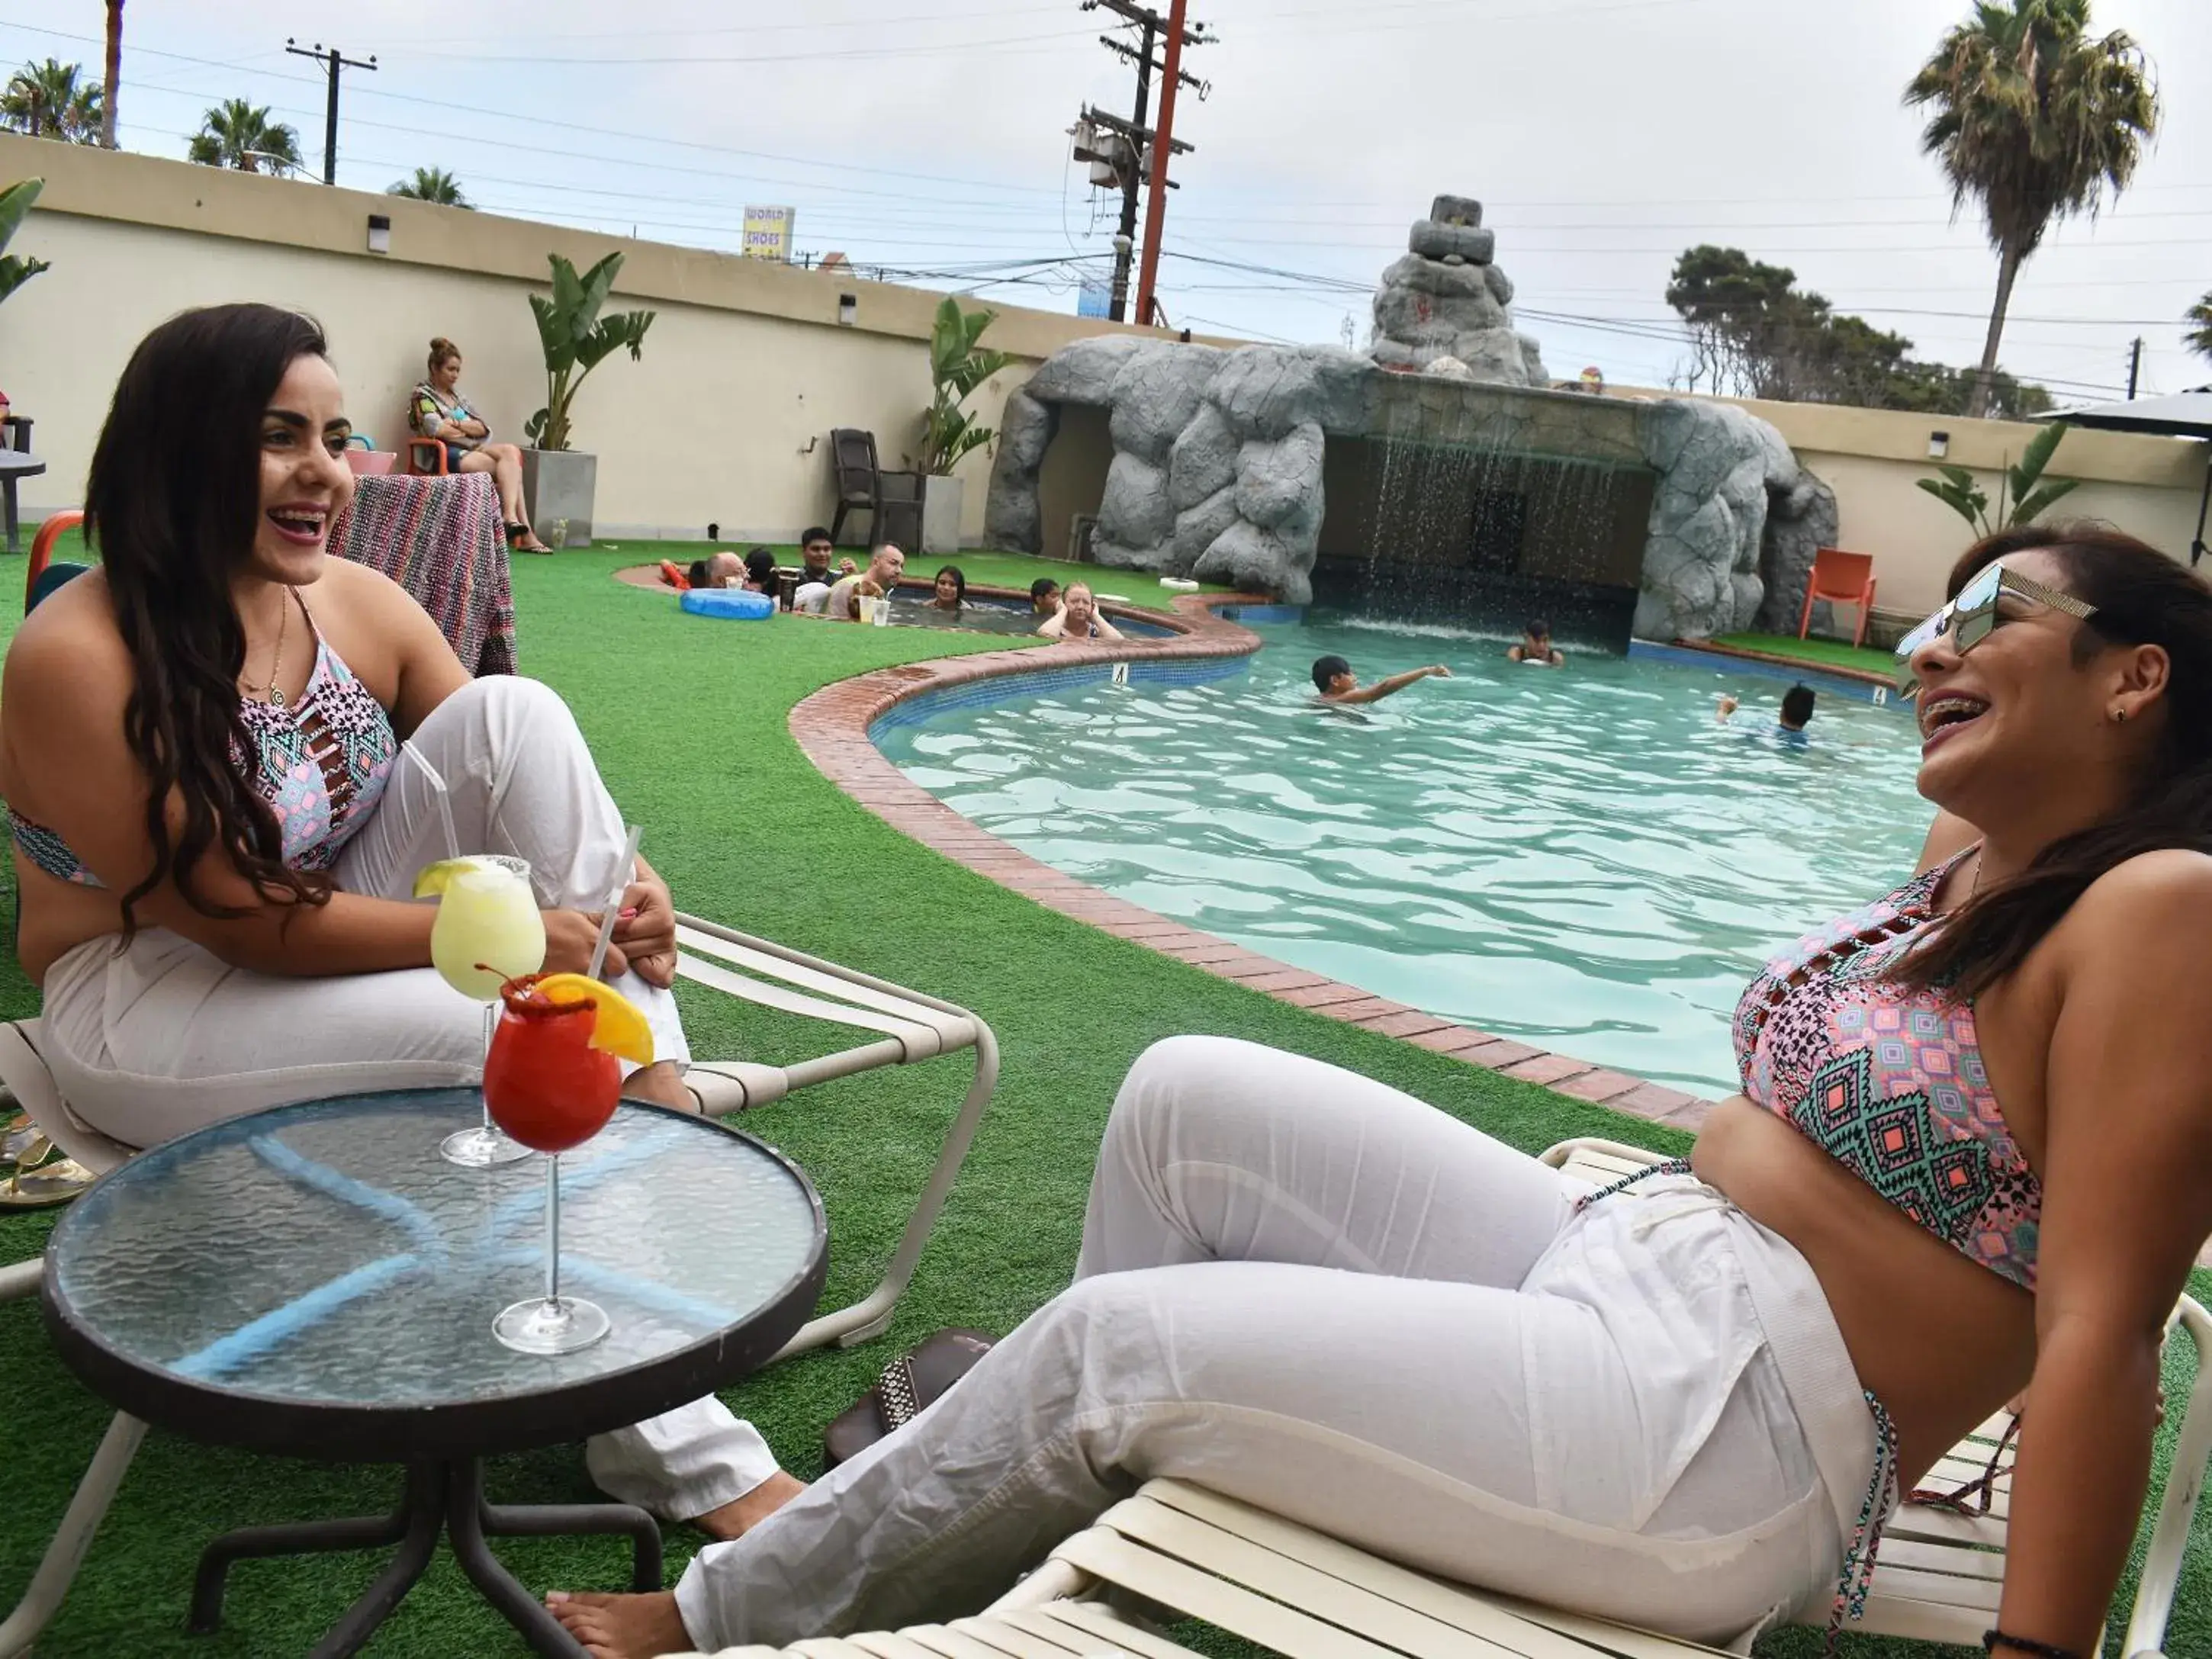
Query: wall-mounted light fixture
[380, 233]
[1938, 444]
[848, 310]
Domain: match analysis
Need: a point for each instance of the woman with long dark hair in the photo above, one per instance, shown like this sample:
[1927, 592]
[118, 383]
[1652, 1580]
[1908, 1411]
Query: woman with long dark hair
[1972, 1157]
[217, 831]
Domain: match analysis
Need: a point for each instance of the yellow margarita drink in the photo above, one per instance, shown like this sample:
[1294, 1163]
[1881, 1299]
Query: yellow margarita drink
[489, 929]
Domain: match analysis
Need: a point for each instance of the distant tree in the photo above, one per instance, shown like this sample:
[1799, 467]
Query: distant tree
[46, 100]
[2200, 337]
[431, 185]
[2034, 119]
[236, 134]
[1754, 333]
[110, 86]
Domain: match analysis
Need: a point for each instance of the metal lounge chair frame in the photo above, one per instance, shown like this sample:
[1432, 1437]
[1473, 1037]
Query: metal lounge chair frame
[1306, 1595]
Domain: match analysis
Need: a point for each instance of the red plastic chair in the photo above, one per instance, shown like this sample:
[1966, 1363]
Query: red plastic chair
[426, 459]
[1840, 578]
[42, 553]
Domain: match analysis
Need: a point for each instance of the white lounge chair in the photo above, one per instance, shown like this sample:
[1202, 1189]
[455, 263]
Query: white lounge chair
[1306, 1595]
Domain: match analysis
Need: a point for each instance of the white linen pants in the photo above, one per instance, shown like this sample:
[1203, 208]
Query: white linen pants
[166, 1037]
[1303, 1288]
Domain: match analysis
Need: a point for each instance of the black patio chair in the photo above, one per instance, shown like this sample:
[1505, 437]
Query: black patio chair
[853, 456]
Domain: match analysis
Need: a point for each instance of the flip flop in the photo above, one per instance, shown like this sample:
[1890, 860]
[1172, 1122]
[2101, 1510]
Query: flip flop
[914, 1381]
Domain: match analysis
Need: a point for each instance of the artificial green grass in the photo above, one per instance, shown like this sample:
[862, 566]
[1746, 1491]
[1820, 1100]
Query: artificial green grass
[1828, 654]
[686, 718]
[1138, 588]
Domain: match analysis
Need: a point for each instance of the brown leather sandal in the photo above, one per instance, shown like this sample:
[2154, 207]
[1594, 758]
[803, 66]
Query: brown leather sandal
[909, 1384]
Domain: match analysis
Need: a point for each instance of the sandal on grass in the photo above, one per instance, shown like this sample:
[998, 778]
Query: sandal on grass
[909, 1384]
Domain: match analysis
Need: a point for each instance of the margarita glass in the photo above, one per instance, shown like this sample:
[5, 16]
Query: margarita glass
[552, 1081]
[489, 930]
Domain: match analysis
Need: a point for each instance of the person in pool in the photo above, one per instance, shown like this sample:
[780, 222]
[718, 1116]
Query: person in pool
[1754, 1351]
[950, 590]
[1044, 597]
[816, 550]
[1078, 618]
[723, 569]
[1536, 647]
[1336, 682]
[1790, 722]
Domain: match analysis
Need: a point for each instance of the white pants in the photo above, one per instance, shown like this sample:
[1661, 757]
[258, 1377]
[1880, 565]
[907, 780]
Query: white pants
[1303, 1288]
[166, 1036]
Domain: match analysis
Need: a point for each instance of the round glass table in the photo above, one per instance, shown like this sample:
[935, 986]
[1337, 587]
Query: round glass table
[316, 1281]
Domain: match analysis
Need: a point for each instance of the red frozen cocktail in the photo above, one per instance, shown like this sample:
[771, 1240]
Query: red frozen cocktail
[544, 1082]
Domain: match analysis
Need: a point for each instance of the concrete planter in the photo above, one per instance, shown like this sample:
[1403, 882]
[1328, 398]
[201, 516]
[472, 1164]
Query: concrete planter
[557, 486]
[940, 515]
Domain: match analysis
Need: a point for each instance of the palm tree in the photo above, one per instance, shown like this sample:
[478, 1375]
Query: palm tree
[2200, 337]
[2034, 119]
[45, 100]
[114, 81]
[235, 134]
[431, 185]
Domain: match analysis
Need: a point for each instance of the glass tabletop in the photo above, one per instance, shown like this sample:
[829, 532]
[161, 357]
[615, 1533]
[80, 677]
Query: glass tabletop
[323, 1254]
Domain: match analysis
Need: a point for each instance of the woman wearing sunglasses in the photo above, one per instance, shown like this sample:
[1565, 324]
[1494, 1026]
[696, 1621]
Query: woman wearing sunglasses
[1972, 1157]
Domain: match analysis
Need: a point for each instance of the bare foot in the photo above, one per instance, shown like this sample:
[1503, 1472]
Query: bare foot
[622, 1626]
[660, 1084]
[736, 1520]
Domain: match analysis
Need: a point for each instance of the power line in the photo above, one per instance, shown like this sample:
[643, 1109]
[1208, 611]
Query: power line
[334, 61]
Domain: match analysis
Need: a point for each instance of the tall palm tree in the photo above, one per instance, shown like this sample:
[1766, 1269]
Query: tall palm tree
[236, 134]
[2035, 119]
[2200, 337]
[112, 84]
[47, 102]
[431, 185]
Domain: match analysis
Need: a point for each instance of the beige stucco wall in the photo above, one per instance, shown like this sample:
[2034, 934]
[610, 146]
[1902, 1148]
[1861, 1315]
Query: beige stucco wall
[724, 420]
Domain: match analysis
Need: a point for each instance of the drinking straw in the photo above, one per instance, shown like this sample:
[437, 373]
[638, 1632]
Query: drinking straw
[614, 900]
[438, 791]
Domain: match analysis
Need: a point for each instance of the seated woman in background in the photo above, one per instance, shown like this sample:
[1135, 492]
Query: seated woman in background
[1077, 617]
[952, 590]
[1972, 1154]
[439, 410]
[217, 832]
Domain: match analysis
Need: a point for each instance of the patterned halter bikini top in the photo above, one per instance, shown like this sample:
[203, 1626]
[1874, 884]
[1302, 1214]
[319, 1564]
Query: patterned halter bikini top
[325, 761]
[1889, 1082]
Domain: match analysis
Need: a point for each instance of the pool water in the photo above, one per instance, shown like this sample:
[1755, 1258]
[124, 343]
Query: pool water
[1579, 857]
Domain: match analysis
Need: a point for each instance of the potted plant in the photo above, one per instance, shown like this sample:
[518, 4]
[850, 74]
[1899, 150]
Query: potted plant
[956, 367]
[558, 481]
[2023, 495]
[16, 269]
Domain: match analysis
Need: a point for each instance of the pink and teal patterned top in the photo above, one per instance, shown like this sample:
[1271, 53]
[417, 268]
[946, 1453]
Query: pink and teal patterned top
[1889, 1081]
[323, 763]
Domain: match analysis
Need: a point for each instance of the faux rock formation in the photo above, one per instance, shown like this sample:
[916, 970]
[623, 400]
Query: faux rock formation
[1218, 454]
[1447, 300]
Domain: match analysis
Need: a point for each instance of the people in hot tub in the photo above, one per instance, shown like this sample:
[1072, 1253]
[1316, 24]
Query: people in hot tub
[1336, 682]
[1536, 647]
[1077, 617]
[1044, 597]
[950, 590]
[723, 569]
[885, 566]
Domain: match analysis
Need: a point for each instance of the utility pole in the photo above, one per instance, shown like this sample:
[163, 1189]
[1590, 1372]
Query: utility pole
[2135, 367]
[334, 60]
[1138, 139]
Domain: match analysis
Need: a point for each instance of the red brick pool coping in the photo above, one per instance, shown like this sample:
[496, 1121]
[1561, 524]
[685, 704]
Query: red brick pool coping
[831, 727]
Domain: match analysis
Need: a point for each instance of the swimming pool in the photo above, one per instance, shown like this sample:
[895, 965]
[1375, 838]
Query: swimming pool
[1579, 857]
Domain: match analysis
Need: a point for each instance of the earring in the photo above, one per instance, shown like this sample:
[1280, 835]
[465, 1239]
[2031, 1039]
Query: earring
[2119, 716]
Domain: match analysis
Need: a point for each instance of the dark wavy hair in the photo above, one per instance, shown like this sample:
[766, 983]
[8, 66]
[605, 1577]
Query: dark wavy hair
[2142, 598]
[172, 503]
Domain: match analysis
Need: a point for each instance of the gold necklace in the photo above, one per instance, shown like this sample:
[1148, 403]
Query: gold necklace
[272, 691]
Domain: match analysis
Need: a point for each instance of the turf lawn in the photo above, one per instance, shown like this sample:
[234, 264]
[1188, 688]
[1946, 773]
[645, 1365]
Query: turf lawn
[1825, 653]
[687, 717]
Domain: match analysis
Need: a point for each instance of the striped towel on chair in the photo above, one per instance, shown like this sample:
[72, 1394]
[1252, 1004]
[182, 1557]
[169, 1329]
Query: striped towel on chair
[441, 539]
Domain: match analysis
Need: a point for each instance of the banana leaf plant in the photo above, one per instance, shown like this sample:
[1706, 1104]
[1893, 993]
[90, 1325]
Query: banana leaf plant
[957, 365]
[16, 270]
[577, 340]
[2023, 494]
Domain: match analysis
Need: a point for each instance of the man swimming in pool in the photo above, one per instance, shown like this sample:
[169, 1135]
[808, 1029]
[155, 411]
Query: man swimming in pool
[1334, 681]
[1536, 647]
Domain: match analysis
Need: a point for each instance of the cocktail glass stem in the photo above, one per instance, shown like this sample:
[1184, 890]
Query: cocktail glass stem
[553, 1232]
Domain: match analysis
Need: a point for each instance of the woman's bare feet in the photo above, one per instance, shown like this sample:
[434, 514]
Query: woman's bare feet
[736, 1520]
[622, 1626]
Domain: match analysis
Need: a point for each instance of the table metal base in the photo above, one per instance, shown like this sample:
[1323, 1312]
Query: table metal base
[439, 1496]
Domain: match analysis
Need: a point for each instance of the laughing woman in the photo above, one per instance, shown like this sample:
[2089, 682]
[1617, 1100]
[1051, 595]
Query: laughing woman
[1972, 1155]
[217, 832]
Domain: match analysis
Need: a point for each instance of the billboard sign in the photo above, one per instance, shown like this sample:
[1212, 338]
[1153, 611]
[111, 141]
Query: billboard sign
[768, 233]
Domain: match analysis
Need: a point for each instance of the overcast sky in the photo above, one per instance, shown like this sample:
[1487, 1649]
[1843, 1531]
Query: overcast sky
[1604, 136]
